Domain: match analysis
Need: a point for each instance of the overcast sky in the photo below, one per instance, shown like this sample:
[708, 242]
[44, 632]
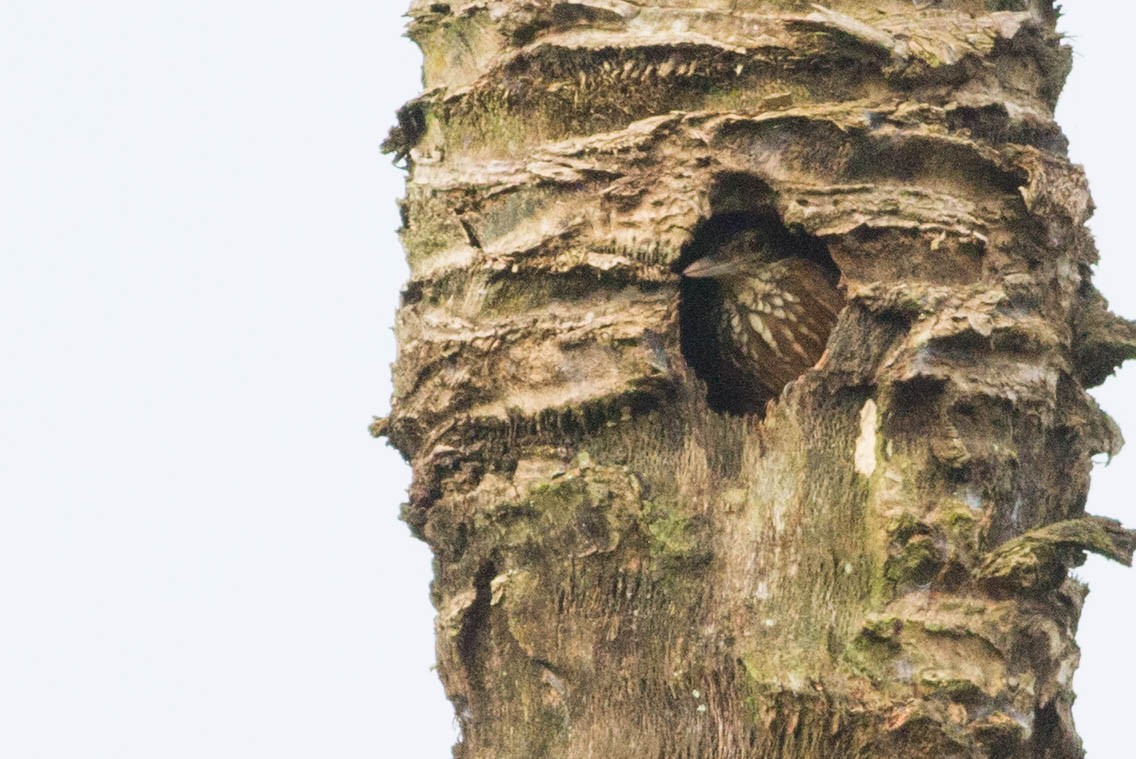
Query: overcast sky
[199, 547]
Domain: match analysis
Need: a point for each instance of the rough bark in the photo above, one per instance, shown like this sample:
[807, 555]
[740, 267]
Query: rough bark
[633, 558]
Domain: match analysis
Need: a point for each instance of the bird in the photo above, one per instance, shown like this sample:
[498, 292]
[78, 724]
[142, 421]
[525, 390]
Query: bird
[777, 310]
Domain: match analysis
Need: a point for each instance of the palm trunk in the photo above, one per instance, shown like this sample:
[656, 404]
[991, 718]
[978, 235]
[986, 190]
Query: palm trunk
[635, 557]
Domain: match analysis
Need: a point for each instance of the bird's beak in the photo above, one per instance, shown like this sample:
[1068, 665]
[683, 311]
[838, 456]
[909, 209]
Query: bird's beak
[710, 266]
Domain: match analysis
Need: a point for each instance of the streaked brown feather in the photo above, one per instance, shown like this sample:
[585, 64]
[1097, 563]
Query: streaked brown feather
[776, 315]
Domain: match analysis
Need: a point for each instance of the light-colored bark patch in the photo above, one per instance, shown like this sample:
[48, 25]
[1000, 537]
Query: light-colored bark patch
[865, 457]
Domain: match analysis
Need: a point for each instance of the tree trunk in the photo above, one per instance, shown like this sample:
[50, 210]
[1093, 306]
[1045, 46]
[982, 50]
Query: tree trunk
[637, 553]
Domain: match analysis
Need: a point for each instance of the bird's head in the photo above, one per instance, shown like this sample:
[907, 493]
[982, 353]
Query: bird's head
[739, 257]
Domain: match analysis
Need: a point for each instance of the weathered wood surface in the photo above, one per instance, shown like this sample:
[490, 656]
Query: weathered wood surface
[875, 564]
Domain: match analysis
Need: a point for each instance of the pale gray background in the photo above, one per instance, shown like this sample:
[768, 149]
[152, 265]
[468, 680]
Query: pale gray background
[199, 552]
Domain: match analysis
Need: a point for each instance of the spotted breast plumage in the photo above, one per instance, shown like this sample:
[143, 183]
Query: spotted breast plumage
[776, 312]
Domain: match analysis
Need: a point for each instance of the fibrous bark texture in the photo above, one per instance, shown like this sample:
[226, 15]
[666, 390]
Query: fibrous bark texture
[636, 559]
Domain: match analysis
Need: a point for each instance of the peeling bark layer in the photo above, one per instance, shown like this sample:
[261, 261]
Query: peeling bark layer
[874, 563]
